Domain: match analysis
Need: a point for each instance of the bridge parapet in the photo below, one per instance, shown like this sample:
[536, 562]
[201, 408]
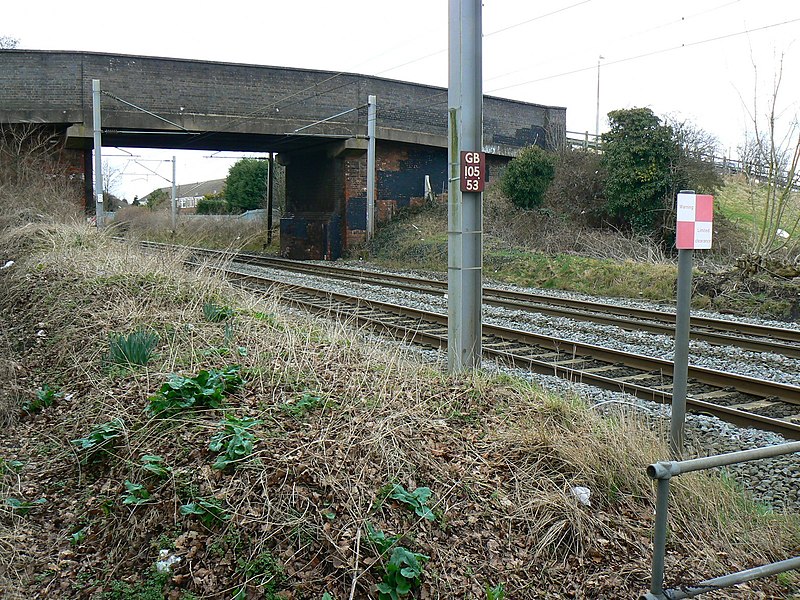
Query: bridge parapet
[228, 101]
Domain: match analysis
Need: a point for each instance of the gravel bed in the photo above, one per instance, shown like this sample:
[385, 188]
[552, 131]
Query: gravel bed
[773, 482]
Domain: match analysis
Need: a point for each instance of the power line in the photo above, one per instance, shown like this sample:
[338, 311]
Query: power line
[443, 50]
[561, 57]
[647, 54]
[550, 14]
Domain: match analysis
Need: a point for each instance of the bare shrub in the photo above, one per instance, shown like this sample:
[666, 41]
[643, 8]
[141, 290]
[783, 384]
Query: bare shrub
[35, 183]
[577, 189]
[558, 233]
[210, 231]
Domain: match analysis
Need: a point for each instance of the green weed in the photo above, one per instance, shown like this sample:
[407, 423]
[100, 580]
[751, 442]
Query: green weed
[208, 510]
[497, 592]
[101, 439]
[10, 466]
[235, 441]
[136, 348]
[303, 406]
[154, 465]
[215, 313]
[78, 537]
[136, 494]
[381, 541]
[402, 574]
[151, 588]
[263, 571]
[415, 500]
[207, 390]
[23, 507]
[45, 397]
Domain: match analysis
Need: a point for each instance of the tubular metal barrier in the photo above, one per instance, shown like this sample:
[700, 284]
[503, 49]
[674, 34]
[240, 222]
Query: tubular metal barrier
[662, 472]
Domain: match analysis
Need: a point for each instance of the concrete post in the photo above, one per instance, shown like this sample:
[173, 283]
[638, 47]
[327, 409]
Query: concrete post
[98, 157]
[465, 209]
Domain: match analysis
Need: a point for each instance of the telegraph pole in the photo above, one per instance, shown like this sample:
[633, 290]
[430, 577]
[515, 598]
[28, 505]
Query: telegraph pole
[465, 203]
[98, 159]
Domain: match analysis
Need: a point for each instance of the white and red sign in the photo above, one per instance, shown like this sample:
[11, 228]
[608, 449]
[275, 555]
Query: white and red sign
[473, 171]
[695, 218]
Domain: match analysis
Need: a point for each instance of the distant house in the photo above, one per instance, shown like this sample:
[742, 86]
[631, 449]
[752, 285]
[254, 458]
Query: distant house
[188, 194]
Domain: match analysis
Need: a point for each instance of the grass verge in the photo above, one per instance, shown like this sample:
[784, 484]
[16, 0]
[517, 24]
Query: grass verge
[329, 423]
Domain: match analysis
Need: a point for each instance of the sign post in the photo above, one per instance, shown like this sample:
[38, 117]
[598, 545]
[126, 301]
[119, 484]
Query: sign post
[693, 232]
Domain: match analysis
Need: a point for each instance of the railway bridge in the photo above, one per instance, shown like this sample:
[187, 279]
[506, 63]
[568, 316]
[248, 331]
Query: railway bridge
[315, 120]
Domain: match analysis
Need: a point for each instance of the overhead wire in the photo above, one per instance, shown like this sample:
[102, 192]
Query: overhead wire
[636, 34]
[647, 54]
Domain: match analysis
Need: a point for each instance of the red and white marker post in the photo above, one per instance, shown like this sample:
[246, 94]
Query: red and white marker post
[693, 231]
[694, 220]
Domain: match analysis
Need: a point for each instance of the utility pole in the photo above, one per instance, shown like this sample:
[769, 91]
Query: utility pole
[465, 207]
[371, 114]
[98, 158]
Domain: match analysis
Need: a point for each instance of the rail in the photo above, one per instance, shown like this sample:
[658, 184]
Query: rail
[666, 470]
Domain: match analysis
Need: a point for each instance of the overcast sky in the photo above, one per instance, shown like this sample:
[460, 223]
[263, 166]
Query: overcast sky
[701, 60]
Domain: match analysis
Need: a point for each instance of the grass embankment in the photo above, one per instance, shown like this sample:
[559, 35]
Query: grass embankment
[419, 240]
[286, 484]
[545, 250]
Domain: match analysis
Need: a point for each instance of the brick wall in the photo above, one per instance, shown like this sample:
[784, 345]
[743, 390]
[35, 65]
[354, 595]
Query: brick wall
[56, 86]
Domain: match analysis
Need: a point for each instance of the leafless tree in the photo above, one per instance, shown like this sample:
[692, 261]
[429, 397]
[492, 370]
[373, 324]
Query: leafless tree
[772, 151]
[8, 42]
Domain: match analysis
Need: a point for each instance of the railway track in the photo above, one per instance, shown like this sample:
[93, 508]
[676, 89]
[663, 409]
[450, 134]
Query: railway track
[720, 332]
[742, 400]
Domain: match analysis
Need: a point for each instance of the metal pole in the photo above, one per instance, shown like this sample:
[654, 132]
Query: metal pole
[597, 114]
[465, 209]
[681, 361]
[472, 139]
[667, 469]
[727, 581]
[454, 284]
[371, 114]
[174, 198]
[660, 538]
[270, 185]
[98, 158]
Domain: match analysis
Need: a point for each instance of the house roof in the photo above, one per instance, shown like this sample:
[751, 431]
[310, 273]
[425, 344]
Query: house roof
[190, 190]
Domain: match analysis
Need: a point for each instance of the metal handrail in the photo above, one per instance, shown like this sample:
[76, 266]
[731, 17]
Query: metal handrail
[664, 471]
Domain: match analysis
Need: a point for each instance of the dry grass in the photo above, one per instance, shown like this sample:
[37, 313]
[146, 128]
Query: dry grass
[500, 455]
[218, 232]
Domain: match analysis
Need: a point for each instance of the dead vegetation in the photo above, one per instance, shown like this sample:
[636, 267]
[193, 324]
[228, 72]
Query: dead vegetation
[36, 184]
[337, 422]
[222, 232]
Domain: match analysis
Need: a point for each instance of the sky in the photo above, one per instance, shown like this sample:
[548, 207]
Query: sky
[714, 63]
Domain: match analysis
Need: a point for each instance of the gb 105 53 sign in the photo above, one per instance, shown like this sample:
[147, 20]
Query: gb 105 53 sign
[473, 171]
